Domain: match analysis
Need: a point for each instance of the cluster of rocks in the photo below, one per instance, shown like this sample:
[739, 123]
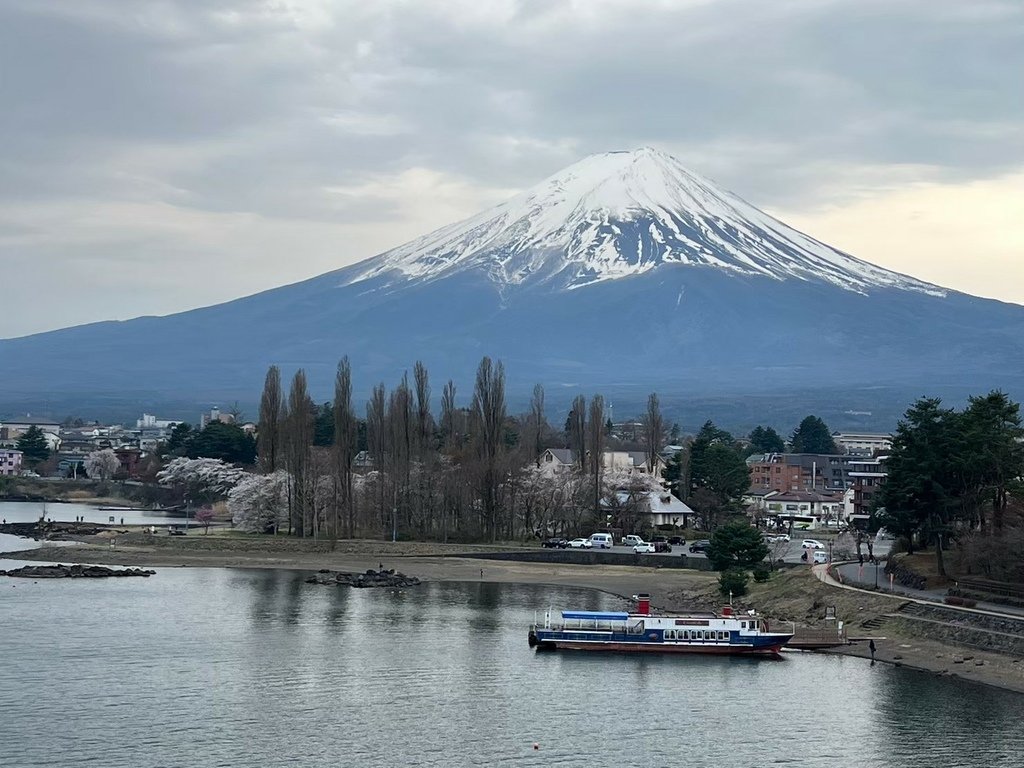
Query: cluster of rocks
[371, 578]
[73, 572]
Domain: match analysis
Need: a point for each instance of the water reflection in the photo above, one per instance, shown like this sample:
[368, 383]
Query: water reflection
[259, 668]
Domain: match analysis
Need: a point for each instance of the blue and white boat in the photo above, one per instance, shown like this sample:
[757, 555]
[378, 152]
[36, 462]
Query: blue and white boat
[642, 631]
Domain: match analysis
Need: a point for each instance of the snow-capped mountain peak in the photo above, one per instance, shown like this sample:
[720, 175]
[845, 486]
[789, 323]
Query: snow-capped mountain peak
[618, 214]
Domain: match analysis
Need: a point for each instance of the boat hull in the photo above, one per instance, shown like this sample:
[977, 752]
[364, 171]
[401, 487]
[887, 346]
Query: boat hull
[718, 650]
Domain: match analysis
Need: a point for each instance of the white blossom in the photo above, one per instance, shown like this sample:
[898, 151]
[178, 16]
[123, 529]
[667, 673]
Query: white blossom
[101, 465]
[201, 479]
[259, 503]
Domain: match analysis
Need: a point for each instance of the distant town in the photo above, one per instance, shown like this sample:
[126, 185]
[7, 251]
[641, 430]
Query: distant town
[802, 489]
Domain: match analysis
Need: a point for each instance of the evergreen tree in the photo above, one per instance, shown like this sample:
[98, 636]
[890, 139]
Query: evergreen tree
[709, 435]
[323, 425]
[227, 442]
[33, 447]
[813, 436]
[916, 500]
[736, 545]
[765, 440]
[177, 444]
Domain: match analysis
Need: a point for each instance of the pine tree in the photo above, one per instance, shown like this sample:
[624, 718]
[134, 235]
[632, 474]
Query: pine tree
[813, 436]
[33, 447]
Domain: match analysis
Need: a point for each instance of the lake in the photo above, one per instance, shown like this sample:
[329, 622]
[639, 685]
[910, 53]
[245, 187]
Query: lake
[221, 667]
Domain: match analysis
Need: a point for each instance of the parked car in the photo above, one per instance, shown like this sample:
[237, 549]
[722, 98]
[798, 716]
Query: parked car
[554, 543]
[580, 544]
[812, 544]
[773, 537]
[820, 557]
[631, 540]
[643, 548]
[601, 540]
[676, 540]
[662, 546]
[700, 546]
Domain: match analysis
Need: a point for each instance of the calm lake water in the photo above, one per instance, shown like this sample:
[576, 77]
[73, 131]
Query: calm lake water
[30, 511]
[239, 668]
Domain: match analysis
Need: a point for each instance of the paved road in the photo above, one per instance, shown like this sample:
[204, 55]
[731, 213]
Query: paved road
[790, 552]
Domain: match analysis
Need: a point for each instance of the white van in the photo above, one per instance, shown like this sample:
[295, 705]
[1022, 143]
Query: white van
[632, 540]
[601, 540]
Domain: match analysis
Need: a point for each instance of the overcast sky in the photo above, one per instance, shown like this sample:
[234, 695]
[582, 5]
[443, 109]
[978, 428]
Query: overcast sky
[159, 156]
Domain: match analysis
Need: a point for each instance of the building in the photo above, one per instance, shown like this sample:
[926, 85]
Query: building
[557, 460]
[10, 461]
[798, 472]
[12, 429]
[804, 509]
[862, 443]
[867, 476]
[665, 509]
[215, 415]
[149, 421]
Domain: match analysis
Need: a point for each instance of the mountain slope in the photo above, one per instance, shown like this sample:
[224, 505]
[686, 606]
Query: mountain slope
[624, 272]
[626, 213]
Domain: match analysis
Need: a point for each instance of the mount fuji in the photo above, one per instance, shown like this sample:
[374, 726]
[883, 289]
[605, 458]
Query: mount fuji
[625, 273]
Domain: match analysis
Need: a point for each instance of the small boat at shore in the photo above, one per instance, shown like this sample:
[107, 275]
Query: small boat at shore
[643, 632]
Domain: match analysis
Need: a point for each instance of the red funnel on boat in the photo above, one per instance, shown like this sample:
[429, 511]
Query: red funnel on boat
[643, 604]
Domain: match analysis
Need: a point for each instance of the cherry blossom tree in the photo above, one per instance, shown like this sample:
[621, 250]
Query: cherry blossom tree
[259, 503]
[101, 465]
[201, 480]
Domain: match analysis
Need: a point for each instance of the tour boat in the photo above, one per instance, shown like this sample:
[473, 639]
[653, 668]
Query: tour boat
[642, 631]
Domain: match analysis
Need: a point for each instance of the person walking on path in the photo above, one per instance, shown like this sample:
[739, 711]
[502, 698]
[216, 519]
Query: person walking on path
[871, 647]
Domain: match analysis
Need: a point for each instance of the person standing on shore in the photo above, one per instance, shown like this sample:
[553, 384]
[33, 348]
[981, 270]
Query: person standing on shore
[871, 647]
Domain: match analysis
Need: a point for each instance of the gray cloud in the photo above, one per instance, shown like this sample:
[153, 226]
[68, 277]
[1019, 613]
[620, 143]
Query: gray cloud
[220, 129]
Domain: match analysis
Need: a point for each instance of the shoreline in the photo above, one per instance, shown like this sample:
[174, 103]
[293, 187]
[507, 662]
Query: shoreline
[670, 589]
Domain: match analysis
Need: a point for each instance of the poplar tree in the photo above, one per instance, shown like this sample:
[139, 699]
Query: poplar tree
[345, 440]
[654, 430]
[268, 444]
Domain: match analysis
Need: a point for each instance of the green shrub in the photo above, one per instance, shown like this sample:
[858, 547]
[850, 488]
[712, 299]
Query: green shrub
[762, 574]
[733, 581]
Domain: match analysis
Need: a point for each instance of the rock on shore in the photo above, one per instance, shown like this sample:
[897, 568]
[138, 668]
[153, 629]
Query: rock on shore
[370, 578]
[73, 572]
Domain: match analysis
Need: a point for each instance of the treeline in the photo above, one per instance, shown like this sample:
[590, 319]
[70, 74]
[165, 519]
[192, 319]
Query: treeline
[472, 473]
[955, 479]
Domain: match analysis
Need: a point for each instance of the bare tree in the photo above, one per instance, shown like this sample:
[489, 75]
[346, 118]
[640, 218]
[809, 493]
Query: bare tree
[578, 430]
[377, 440]
[269, 430]
[537, 424]
[449, 437]
[595, 448]
[488, 421]
[298, 447]
[424, 421]
[345, 438]
[399, 450]
[654, 431]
